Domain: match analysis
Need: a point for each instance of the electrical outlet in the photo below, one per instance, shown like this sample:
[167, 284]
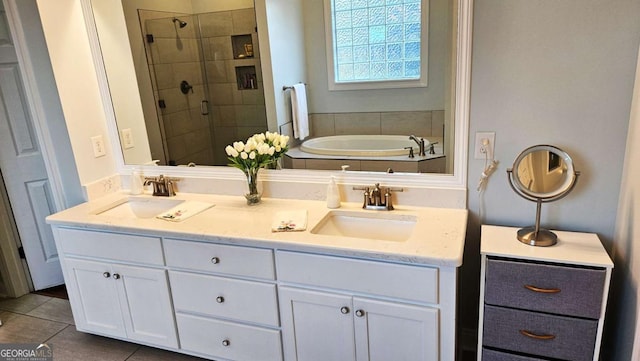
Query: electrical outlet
[485, 142]
[127, 138]
[98, 146]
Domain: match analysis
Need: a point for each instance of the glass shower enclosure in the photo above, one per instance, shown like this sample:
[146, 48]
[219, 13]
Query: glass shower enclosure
[207, 82]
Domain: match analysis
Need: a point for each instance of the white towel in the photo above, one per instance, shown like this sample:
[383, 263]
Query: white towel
[184, 210]
[286, 221]
[299, 111]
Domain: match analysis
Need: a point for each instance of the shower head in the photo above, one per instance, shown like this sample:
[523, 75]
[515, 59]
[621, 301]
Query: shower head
[180, 22]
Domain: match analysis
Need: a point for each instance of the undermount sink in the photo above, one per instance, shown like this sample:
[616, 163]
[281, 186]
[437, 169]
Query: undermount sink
[367, 224]
[138, 207]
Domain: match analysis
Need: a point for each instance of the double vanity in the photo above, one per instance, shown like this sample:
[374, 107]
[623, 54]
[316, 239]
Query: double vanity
[222, 285]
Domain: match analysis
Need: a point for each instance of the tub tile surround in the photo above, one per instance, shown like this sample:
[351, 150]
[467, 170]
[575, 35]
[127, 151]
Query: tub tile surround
[428, 123]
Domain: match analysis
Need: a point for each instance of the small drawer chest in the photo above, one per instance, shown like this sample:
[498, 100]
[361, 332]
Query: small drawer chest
[540, 303]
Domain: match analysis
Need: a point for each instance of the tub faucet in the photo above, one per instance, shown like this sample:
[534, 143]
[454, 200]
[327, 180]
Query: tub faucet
[420, 143]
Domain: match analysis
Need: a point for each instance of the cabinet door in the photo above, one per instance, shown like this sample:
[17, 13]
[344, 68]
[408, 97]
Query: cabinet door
[391, 331]
[316, 325]
[93, 294]
[146, 305]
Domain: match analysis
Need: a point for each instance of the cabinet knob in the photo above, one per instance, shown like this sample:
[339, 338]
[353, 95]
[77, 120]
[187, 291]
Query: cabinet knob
[215, 260]
[344, 310]
[219, 299]
[106, 275]
[226, 343]
[116, 276]
[359, 313]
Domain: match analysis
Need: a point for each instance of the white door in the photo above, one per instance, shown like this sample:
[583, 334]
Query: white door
[94, 295]
[146, 305]
[24, 170]
[391, 331]
[316, 325]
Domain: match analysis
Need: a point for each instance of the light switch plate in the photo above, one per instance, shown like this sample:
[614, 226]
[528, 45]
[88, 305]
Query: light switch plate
[98, 146]
[127, 138]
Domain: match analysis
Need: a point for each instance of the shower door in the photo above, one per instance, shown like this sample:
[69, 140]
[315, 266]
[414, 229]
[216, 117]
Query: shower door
[174, 57]
[207, 82]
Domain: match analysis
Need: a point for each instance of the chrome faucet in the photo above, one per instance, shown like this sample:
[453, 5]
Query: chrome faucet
[162, 186]
[420, 143]
[377, 198]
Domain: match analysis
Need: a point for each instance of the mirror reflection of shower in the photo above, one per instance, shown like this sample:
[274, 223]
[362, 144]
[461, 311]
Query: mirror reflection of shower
[206, 80]
[180, 23]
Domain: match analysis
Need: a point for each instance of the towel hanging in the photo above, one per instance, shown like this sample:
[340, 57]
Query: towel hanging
[299, 112]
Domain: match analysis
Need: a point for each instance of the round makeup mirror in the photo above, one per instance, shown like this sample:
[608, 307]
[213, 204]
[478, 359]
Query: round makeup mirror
[542, 173]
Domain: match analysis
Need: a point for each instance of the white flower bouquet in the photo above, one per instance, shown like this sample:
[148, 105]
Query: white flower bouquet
[259, 151]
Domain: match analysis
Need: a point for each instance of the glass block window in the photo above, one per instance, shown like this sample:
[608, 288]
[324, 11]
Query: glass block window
[376, 41]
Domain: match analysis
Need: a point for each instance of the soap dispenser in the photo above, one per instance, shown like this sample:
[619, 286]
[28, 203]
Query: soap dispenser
[136, 181]
[333, 195]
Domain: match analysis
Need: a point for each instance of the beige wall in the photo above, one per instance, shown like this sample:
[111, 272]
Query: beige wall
[74, 70]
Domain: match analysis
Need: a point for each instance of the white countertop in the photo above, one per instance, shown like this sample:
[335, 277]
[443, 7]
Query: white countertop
[572, 247]
[438, 237]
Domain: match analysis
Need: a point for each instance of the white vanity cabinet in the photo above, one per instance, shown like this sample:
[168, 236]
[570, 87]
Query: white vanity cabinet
[117, 285]
[542, 302]
[211, 288]
[225, 300]
[343, 309]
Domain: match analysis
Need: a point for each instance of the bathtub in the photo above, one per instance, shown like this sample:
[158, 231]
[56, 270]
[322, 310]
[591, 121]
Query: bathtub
[361, 145]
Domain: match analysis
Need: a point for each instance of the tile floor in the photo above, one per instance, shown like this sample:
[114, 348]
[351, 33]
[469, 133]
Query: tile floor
[35, 318]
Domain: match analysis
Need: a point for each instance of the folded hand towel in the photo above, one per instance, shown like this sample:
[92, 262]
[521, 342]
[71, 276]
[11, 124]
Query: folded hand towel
[299, 111]
[184, 210]
[285, 221]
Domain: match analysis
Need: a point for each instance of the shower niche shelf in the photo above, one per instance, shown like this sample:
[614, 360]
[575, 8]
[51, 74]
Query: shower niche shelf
[242, 46]
[246, 77]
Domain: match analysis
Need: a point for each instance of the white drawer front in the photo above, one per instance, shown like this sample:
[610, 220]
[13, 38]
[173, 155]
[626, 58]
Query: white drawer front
[228, 340]
[121, 247]
[209, 257]
[377, 278]
[227, 298]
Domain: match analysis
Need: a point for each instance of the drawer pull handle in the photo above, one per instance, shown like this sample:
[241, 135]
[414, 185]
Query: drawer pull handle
[226, 343]
[344, 310]
[219, 299]
[116, 276]
[215, 260]
[537, 337]
[106, 275]
[542, 290]
[359, 313]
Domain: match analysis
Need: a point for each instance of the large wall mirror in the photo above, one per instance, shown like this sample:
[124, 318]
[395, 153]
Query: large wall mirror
[186, 78]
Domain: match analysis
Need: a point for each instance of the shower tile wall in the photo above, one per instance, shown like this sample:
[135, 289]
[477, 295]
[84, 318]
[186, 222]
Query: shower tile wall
[204, 58]
[175, 56]
[236, 113]
[420, 123]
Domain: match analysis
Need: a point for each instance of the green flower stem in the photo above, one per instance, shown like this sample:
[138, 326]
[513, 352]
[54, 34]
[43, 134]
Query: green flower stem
[252, 179]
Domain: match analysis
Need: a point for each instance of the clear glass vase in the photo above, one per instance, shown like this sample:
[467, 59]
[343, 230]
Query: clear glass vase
[254, 195]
